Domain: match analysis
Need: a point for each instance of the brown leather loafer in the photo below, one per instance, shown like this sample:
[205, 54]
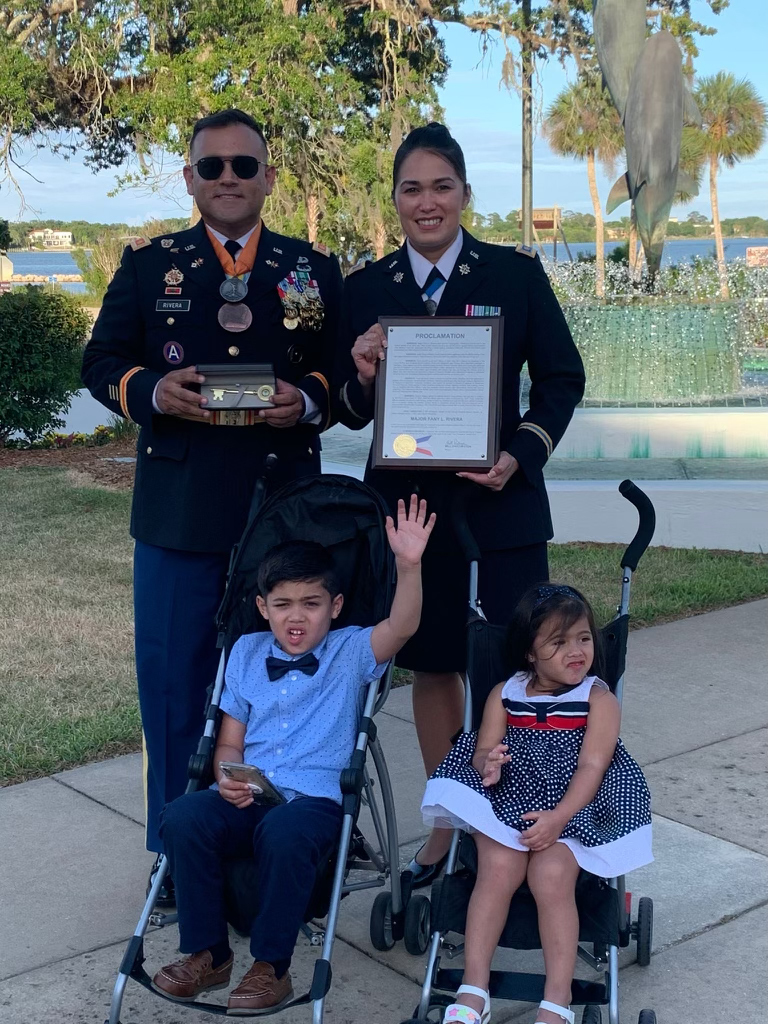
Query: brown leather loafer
[185, 979]
[260, 990]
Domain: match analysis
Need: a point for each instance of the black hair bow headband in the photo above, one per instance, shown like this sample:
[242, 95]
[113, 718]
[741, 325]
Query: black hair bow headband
[544, 593]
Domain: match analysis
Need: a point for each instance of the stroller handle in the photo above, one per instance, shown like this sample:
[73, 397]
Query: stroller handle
[261, 486]
[645, 527]
[459, 521]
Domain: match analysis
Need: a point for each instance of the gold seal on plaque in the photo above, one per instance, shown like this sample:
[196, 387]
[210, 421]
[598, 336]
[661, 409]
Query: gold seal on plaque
[404, 445]
[265, 392]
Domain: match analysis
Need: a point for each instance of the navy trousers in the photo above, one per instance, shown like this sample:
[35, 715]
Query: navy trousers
[176, 595]
[201, 830]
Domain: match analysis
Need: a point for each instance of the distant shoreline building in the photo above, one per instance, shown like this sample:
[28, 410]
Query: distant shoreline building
[51, 239]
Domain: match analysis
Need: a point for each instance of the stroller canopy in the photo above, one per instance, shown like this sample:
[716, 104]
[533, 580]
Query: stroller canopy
[341, 513]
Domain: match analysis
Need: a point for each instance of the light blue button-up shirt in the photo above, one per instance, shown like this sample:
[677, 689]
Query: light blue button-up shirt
[300, 730]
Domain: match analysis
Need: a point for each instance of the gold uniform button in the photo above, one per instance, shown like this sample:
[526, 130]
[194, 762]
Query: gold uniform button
[170, 320]
[234, 350]
[149, 451]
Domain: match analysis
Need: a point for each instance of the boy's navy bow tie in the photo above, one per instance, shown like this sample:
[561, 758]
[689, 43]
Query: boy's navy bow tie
[278, 667]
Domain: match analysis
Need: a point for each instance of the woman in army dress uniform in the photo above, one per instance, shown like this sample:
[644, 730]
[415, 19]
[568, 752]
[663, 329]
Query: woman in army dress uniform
[442, 269]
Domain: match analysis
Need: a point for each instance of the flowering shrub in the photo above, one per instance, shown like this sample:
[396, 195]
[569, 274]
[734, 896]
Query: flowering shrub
[101, 435]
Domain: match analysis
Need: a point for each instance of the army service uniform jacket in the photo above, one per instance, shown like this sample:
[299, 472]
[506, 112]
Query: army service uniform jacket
[535, 332]
[194, 481]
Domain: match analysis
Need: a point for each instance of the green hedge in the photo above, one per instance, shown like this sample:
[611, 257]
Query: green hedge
[42, 335]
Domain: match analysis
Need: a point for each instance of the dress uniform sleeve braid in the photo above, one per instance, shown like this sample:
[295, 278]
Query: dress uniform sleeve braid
[557, 378]
[112, 361]
[317, 383]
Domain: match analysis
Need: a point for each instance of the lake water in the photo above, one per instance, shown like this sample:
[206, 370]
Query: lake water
[47, 264]
[681, 250]
[677, 250]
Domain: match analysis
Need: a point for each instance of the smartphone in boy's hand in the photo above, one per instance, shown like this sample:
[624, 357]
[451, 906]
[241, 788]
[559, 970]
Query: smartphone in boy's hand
[262, 789]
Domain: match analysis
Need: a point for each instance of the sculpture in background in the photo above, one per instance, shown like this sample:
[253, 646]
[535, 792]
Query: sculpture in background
[645, 79]
[620, 31]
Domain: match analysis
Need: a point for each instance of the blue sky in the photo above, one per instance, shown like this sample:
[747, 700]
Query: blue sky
[484, 117]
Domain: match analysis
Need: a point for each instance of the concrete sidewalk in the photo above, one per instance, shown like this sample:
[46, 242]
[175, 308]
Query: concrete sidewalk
[73, 872]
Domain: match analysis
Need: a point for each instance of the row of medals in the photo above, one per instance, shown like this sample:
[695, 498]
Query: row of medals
[299, 295]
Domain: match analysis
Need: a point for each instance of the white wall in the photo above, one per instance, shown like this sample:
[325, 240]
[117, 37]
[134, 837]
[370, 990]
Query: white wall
[666, 433]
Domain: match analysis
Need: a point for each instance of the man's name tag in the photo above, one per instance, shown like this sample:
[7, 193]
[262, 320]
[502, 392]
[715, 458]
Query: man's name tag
[173, 305]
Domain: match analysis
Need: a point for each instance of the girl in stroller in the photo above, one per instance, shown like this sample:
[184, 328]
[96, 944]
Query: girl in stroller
[548, 789]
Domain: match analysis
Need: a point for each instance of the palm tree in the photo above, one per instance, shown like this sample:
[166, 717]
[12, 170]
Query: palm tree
[583, 122]
[692, 159]
[733, 127]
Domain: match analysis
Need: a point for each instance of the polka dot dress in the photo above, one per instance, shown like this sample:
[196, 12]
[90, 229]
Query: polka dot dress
[608, 837]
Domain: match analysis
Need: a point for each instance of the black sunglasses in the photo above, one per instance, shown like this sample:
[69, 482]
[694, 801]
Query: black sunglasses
[212, 167]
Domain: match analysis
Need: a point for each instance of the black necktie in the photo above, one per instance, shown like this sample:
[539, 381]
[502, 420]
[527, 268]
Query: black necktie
[278, 667]
[233, 248]
[431, 285]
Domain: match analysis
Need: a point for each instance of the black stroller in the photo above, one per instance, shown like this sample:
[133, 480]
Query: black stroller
[604, 906]
[347, 517]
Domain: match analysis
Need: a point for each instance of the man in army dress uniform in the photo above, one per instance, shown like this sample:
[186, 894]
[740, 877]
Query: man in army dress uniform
[225, 291]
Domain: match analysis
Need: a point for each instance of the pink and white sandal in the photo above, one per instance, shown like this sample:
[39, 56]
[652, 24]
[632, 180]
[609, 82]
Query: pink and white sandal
[562, 1011]
[458, 1013]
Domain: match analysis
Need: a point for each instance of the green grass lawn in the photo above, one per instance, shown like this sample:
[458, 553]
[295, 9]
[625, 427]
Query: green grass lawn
[66, 645]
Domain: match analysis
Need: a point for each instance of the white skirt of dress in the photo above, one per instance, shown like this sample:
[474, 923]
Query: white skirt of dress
[450, 804]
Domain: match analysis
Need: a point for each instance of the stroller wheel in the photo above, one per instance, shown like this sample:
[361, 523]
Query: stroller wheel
[418, 924]
[381, 922]
[592, 1014]
[642, 930]
[646, 1017]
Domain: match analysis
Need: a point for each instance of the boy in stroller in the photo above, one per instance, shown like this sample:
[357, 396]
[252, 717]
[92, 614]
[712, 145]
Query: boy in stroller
[289, 706]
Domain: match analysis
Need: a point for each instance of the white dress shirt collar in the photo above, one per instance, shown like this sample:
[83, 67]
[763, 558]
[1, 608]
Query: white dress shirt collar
[242, 241]
[421, 266]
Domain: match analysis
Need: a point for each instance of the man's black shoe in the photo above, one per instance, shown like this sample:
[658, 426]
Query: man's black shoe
[167, 895]
[425, 874]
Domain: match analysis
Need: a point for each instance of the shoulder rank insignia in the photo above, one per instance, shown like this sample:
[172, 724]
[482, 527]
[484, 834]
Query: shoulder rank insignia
[526, 250]
[140, 243]
[360, 265]
[323, 249]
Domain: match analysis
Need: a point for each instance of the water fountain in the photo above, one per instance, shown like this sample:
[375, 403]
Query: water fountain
[667, 367]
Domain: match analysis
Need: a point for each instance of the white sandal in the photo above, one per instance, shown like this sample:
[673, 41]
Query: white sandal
[458, 1013]
[562, 1011]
